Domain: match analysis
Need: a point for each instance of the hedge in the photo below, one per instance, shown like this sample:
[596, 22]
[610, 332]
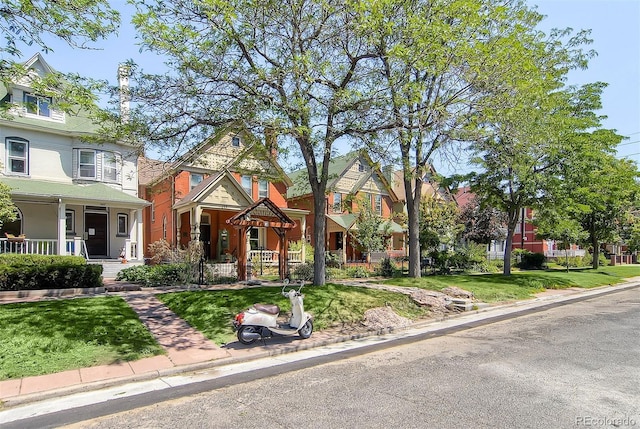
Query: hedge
[29, 272]
[17, 259]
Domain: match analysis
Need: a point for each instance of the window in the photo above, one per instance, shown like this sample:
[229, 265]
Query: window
[246, 184]
[361, 167]
[37, 105]
[109, 167]
[70, 221]
[235, 141]
[378, 204]
[123, 224]
[196, 179]
[164, 227]
[254, 238]
[153, 211]
[263, 189]
[87, 165]
[18, 156]
[337, 202]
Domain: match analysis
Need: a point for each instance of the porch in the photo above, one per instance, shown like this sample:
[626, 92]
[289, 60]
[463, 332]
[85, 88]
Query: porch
[44, 246]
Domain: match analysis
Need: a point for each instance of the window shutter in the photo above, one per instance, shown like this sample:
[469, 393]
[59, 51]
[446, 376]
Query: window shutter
[75, 163]
[118, 168]
[99, 172]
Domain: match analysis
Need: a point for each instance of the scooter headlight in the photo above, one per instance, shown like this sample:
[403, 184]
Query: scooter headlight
[239, 319]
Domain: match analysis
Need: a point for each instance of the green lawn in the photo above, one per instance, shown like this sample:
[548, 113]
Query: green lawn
[522, 284]
[53, 336]
[211, 312]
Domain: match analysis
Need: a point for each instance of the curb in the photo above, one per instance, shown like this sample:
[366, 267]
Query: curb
[491, 314]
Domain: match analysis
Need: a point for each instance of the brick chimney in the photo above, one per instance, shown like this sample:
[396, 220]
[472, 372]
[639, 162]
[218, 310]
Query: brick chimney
[271, 141]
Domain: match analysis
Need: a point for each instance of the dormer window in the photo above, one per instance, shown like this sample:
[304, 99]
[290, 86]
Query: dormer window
[235, 141]
[37, 104]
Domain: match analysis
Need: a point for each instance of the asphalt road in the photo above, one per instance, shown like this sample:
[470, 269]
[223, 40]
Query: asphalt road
[576, 365]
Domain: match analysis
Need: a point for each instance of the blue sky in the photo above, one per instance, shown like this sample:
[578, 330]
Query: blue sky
[615, 26]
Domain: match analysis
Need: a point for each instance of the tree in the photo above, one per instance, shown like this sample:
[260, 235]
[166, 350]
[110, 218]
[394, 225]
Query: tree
[7, 208]
[598, 190]
[438, 223]
[524, 164]
[482, 224]
[370, 234]
[28, 22]
[445, 62]
[294, 67]
[561, 229]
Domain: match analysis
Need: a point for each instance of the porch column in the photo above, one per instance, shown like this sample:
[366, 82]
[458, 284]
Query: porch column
[242, 253]
[140, 235]
[62, 228]
[303, 229]
[194, 216]
[345, 236]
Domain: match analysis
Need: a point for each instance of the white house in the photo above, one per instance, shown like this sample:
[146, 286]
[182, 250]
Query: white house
[73, 196]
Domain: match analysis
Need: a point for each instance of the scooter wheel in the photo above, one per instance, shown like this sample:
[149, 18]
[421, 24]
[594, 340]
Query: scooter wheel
[306, 330]
[246, 339]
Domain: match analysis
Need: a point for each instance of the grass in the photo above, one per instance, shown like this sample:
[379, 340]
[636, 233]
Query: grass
[211, 312]
[522, 284]
[53, 336]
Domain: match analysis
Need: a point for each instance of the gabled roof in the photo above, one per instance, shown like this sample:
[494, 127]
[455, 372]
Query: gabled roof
[198, 150]
[75, 124]
[260, 213]
[90, 194]
[338, 166]
[198, 194]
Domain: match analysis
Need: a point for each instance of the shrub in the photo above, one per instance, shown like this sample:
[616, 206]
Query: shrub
[358, 272]
[387, 268]
[53, 276]
[303, 272]
[587, 260]
[532, 261]
[332, 260]
[17, 259]
[158, 275]
[470, 257]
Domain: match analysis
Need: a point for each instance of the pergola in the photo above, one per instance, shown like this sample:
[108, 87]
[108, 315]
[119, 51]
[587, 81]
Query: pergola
[263, 214]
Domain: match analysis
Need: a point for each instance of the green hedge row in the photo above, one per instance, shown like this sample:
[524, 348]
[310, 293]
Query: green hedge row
[30, 272]
[17, 259]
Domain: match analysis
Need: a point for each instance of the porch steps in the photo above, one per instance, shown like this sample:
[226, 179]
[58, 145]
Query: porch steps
[111, 268]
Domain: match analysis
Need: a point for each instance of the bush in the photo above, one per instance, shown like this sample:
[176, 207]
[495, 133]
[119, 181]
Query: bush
[358, 272]
[53, 276]
[470, 257]
[17, 259]
[331, 260]
[387, 267]
[303, 272]
[158, 275]
[587, 260]
[532, 261]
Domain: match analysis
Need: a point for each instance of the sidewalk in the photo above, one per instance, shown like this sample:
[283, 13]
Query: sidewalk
[188, 350]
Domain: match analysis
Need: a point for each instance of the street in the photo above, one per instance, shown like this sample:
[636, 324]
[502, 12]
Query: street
[575, 365]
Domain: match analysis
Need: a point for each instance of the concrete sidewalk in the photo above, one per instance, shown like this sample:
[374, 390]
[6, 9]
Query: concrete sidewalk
[188, 350]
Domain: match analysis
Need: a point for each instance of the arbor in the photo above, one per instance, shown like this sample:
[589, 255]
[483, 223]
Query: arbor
[294, 67]
[444, 65]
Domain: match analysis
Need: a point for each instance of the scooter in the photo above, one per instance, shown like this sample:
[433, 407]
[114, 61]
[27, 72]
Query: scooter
[260, 320]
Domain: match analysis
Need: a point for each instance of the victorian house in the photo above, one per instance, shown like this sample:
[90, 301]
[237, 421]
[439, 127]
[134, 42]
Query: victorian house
[198, 197]
[72, 196]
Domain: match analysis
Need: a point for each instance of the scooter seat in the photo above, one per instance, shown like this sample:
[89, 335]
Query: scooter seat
[267, 308]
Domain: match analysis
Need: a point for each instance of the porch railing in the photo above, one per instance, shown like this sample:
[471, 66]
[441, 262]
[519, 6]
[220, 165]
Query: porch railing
[270, 257]
[572, 253]
[29, 246]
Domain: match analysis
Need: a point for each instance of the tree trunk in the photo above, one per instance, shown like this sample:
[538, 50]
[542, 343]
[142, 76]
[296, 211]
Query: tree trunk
[319, 237]
[511, 228]
[413, 220]
[596, 252]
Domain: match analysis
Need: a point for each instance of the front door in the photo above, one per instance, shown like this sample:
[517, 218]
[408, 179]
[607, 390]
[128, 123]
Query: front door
[95, 228]
[205, 237]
